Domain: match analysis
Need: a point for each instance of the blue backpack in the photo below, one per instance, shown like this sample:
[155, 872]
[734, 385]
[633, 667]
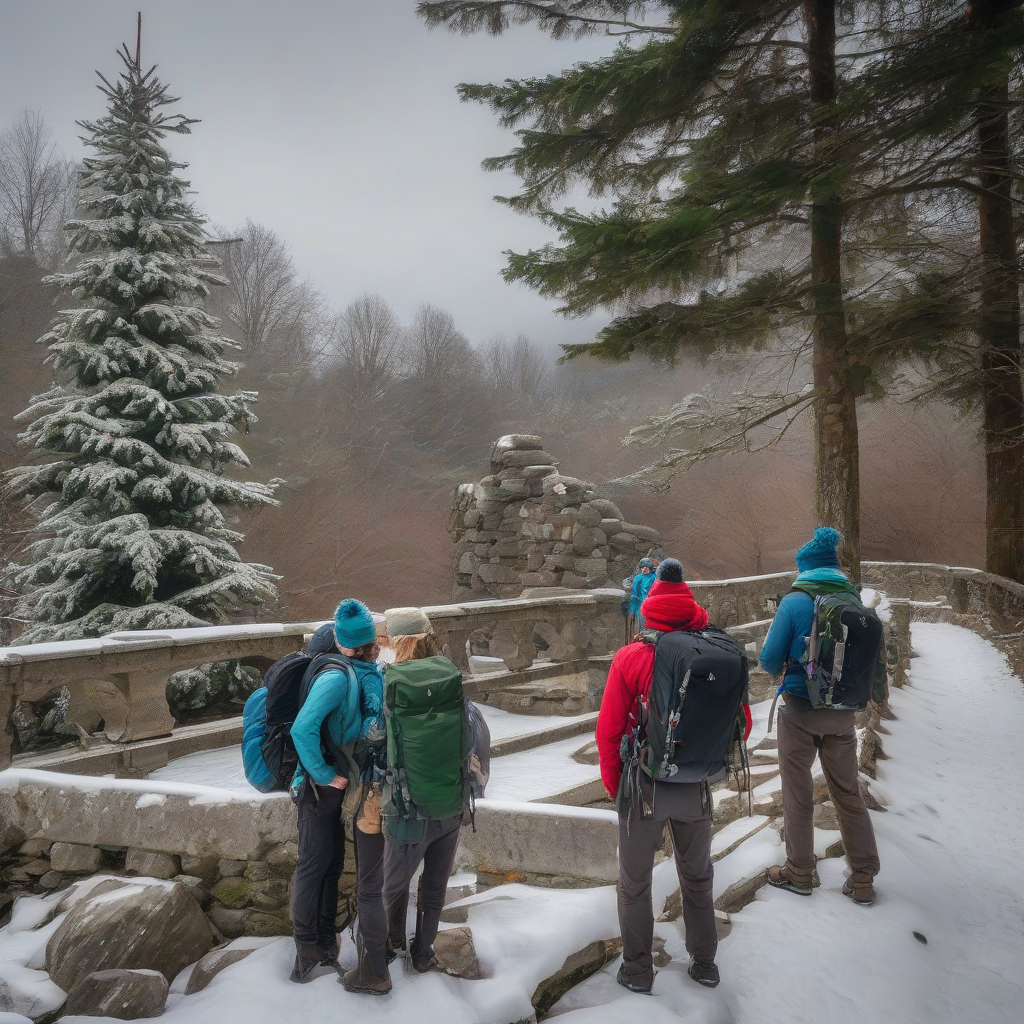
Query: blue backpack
[269, 757]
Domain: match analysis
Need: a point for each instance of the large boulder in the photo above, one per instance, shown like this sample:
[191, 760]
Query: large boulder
[123, 995]
[211, 965]
[151, 927]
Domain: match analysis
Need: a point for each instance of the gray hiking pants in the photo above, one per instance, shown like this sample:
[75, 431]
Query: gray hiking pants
[803, 734]
[436, 852]
[685, 807]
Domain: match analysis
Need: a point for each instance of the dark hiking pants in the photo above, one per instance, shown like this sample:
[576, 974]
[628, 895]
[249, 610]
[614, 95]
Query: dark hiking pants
[373, 927]
[686, 808]
[804, 734]
[436, 851]
[321, 858]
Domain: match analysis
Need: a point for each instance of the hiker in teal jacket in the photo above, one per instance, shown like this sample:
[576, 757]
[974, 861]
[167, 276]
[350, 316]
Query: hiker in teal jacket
[806, 732]
[786, 641]
[349, 700]
[643, 580]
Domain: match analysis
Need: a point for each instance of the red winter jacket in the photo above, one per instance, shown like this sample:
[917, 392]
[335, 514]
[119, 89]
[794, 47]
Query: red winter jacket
[669, 606]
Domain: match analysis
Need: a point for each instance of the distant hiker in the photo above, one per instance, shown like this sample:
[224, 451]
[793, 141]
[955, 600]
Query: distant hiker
[845, 668]
[431, 779]
[338, 734]
[674, 704]
[643, 580]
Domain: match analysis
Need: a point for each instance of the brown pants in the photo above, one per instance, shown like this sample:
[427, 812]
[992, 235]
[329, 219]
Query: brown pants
[686, 809]
[832, 736]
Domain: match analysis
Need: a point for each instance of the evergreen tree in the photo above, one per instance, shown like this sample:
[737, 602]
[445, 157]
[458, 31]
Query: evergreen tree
[136, 436]
[763, 158]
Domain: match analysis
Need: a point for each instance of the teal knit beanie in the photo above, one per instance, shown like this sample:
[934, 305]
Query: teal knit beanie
[820, 551]
[353, 624]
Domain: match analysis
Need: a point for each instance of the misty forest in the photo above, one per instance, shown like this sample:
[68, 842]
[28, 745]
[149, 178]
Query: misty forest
[695, 407]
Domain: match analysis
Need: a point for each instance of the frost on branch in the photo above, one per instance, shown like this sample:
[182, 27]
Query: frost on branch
[127, 459]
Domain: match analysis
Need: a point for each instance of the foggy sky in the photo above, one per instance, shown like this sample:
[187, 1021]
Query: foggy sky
[335, 123]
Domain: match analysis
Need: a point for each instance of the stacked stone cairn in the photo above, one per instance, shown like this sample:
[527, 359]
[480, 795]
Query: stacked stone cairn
[527, 526]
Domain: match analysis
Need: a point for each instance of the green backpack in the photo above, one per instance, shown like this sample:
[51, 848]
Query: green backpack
[428, 747]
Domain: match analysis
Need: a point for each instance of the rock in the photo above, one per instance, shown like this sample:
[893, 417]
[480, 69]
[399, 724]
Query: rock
[121, 994]
[490, 573]
[228, 922]
[577, 967]
[6, 997]
[520, 442]
[538, 472]
[74, 895]
[75, 859]
[519, 459]
[211, 965]
[456, 954]
[284, 854]
[51, 880]
[573, 582]
[825, 816]
[152, 864]
[588, 515]
[228, 868]
[35, 848]
[591, 566]
[585, 540]
[206, 868]
[36, 868]
[608, 509]
[468, 563]
[153, 927]
[645, 533]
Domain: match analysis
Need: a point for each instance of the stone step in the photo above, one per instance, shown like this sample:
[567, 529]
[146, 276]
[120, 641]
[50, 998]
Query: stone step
[530, 740]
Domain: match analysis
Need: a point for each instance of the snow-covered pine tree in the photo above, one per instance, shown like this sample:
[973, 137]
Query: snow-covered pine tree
[130, 448]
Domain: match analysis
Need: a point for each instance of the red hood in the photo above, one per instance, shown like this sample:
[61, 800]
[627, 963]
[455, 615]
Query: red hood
[672, 606]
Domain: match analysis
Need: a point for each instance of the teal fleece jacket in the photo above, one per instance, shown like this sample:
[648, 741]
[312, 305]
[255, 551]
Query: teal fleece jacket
[787, 636]
[350, 701]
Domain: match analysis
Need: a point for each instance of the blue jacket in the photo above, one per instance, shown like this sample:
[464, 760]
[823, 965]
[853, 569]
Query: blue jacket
[787, 637]
[351, 702]
[638, 593]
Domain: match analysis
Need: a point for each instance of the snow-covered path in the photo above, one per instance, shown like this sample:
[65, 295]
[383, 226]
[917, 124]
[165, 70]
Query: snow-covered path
[951, 872]
[950, 845]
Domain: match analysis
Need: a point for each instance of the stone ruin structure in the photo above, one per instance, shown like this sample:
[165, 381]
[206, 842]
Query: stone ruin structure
[527, 526]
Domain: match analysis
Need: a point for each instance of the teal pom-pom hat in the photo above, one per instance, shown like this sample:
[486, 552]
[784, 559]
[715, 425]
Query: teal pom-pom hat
[820, 551]
[353, 624]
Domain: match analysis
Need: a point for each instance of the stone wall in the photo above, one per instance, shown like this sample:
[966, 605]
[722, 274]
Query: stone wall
[526, 525]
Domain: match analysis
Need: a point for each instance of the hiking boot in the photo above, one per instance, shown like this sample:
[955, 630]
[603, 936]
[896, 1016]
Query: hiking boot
[308, 957]
[779, 876]
[621, 978]
[364, 977]
[362, 980]
[860, 889]
[704, 973]
[395, 950]
[329, 953]
[424, 962]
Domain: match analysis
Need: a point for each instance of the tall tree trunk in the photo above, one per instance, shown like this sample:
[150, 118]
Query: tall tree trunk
[836, 451]
[1002, 393]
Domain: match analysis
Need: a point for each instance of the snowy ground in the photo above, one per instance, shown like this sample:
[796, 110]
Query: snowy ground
[222, 768]
[951, 871]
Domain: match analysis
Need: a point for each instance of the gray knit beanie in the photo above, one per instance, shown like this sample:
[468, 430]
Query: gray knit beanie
[407, 622]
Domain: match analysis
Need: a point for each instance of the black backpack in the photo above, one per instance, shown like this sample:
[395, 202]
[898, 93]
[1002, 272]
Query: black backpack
[288, 682]
[845, 657]
[700, 681]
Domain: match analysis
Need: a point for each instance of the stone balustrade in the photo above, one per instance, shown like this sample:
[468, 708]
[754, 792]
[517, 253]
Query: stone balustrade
[118, 681]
